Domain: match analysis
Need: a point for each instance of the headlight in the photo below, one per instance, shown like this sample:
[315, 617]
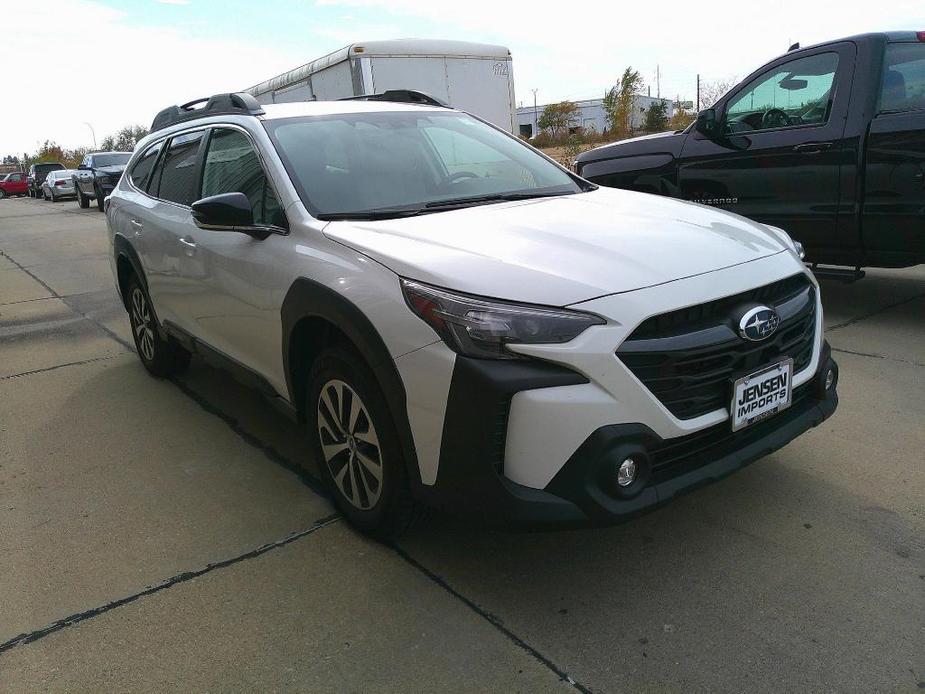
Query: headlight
[478, 327]
[798, 247]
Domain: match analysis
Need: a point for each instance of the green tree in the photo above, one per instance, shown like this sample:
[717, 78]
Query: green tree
[619, 100]
[656, 117]
[681, 117]
[556, 118]
[124, 140]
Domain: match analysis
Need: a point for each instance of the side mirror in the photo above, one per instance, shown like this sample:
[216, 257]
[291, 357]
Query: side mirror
[706, 123]
[227, 212]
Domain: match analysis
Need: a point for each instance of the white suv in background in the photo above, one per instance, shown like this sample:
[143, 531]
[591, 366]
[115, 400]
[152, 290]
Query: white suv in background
[460, 321]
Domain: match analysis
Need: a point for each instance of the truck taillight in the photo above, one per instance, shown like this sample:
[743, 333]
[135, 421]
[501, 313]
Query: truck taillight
[60, 183]
[920, 35]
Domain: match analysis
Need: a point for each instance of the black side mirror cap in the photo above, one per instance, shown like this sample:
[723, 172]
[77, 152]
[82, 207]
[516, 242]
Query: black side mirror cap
[227, 212]
[706, 123]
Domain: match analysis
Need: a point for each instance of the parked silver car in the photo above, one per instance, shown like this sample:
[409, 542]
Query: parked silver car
[59, 184]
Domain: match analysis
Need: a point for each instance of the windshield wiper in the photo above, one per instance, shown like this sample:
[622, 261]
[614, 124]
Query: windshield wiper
[492, 197]
[435, 206]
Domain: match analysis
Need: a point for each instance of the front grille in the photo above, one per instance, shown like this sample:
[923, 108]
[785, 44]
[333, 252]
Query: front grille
[688, 358]
[680, 455]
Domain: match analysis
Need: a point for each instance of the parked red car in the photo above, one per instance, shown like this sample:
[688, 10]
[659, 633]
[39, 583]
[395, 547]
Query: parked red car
[14, 184]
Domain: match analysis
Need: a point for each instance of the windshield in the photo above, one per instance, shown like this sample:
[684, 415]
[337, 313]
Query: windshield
[116, 159]
[44, 168]
[359, 164]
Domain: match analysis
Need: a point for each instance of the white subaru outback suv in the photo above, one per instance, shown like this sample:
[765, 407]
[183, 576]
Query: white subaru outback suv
[459, 321]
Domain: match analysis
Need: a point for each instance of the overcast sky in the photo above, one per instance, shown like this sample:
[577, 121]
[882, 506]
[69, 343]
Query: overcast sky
[113, 63]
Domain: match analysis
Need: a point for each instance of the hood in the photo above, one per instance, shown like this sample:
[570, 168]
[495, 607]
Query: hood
[668, 142]
[562, 250]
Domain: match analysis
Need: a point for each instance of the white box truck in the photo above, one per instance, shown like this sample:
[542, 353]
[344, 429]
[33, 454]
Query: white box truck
[474, 77]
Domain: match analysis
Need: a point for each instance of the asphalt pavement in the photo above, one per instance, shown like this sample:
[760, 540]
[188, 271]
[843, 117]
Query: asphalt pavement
[170, 535]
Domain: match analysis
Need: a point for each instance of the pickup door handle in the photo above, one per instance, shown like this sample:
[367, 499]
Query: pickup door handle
[138, 225]
[188, 243]
[812, 147]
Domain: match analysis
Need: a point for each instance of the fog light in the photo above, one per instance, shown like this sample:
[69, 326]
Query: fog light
[626, 473]
[829, 379]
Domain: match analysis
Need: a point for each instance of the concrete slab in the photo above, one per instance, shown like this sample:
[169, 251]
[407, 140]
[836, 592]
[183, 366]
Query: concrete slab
[879, 290]
[111, 480]
[76, 276]
[16, 285]
[330, 612]
[45, 333]
[894, 333]
[43, 249]
[103, 307]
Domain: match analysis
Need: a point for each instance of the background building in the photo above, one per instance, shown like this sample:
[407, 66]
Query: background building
[592, 114]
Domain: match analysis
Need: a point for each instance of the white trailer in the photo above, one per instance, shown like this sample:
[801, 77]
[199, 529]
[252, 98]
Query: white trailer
[474, 77]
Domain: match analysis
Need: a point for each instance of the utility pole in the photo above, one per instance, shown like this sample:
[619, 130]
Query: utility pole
[534, 111]
[658, 82]
[698, 93]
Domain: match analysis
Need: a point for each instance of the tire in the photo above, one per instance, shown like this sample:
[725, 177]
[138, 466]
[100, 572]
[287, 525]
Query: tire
[99, 198]
[162, 357]
[82, 200]
[2, 193]
[53, 198]
[375, 498]
[44, 195]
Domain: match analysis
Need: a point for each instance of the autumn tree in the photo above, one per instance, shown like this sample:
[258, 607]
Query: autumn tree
[681, 118]
[124, 140]
[557, 118]
[619, 101]
[711, 92]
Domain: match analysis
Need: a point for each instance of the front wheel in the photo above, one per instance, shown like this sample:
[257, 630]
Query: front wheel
[82, 199]
[99, 199]
[2, 193]
[356, 445]
[161, 356]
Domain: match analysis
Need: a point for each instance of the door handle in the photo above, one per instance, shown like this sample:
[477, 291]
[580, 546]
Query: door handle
[188, 243]
[138, 225]
[812, 147]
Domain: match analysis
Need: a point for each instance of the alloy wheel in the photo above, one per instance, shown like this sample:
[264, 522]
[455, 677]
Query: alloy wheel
[350, 444]
[141, 324]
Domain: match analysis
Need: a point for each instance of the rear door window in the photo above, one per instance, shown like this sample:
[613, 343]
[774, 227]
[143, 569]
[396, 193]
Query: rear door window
[179, 169]
[232, 166]
[903, 85]
[143, 167]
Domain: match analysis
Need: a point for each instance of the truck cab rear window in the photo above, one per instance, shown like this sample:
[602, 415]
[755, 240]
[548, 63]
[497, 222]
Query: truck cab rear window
[903, 86]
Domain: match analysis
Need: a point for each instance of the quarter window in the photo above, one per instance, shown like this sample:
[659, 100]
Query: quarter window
[232, 166]
[178, 169]
[903, 77]
[797, 93]
[144, 165]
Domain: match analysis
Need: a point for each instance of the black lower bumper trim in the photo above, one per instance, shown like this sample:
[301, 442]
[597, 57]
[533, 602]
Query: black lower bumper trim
[583, 493]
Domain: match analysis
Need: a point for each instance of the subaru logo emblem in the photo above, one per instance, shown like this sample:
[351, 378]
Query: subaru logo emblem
[759, 323]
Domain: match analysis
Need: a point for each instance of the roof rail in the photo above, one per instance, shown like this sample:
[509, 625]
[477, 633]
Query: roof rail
[239, 103]
[402, 96]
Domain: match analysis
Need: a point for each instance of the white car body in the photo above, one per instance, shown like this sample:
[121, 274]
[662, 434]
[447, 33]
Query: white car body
[625, 257]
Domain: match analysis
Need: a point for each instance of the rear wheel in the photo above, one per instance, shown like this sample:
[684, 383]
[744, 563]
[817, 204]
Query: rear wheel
[53, 198]
[161, 356]
[2, 193]
[356, 445]
[44, 195]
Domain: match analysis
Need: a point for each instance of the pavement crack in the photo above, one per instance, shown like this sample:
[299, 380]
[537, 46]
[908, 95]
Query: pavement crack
[878, 356]
[494, 620]
[64, 300]
[32, 636]
[57, 366]
[271, 453]
[875, 312]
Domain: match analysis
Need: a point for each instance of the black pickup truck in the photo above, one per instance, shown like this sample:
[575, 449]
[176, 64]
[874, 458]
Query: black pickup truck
[826, 142]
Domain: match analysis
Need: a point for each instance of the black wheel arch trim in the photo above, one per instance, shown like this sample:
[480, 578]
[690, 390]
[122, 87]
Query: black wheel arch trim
[307, 299]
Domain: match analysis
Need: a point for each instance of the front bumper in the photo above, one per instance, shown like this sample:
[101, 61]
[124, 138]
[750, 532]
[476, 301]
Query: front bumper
[470, 481]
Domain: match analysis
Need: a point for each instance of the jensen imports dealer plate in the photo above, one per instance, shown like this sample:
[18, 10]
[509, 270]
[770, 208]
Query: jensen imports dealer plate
[761, 394]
